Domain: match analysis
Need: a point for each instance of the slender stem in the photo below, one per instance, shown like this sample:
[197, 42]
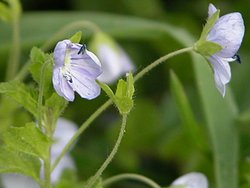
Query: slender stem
[58, 36]
[99, 172]
[47, 171]
[14, 56]
[159, 61]
[82, 128]
[131, 176]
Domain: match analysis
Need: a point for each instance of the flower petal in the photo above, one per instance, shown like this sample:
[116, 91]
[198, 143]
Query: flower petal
[211, 10]
[222, 73]
[192, 180]
[61, 85]
[228, 31]
[84, 85]
[87, 63]
[60, 52]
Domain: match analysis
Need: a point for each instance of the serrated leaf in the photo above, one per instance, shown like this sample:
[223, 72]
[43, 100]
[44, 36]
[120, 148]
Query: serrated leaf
[207, 48]
[18, 162]
[21, 94]
[28, 139]
[76, 38]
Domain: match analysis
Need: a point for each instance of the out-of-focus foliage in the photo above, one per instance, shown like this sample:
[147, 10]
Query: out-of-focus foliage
[157, 142]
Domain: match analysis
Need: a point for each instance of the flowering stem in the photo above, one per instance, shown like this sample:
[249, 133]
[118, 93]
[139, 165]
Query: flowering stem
[14, 57]
[83, 127]
[99, 172]
[131, 176]
[159, 61]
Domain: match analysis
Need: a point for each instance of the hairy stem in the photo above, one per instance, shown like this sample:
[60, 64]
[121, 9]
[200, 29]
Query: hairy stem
[99, 172]
[159, 61]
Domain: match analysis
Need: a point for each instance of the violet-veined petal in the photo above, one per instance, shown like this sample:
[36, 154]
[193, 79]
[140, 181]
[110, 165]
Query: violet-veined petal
[85, 86]
[222, 73]
[228, 31]
[61, 85]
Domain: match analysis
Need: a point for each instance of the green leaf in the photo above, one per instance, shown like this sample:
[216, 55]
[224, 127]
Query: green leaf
[21, 94]
[28, 139]
[191, 126]
[76, 38]
[18, 162]
[209, 25]
[38, 58]
[207, 48]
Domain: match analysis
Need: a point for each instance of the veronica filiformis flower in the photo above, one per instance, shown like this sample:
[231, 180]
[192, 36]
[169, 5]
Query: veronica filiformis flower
[75, 69]
[115, 62]
[226, 31]
[191, 180]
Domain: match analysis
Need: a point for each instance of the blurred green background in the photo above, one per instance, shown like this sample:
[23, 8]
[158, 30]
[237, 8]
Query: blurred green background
[157, 143]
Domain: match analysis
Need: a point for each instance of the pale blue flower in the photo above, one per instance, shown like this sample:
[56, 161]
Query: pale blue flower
[192, 180]
[75, 69]
[228, 32]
